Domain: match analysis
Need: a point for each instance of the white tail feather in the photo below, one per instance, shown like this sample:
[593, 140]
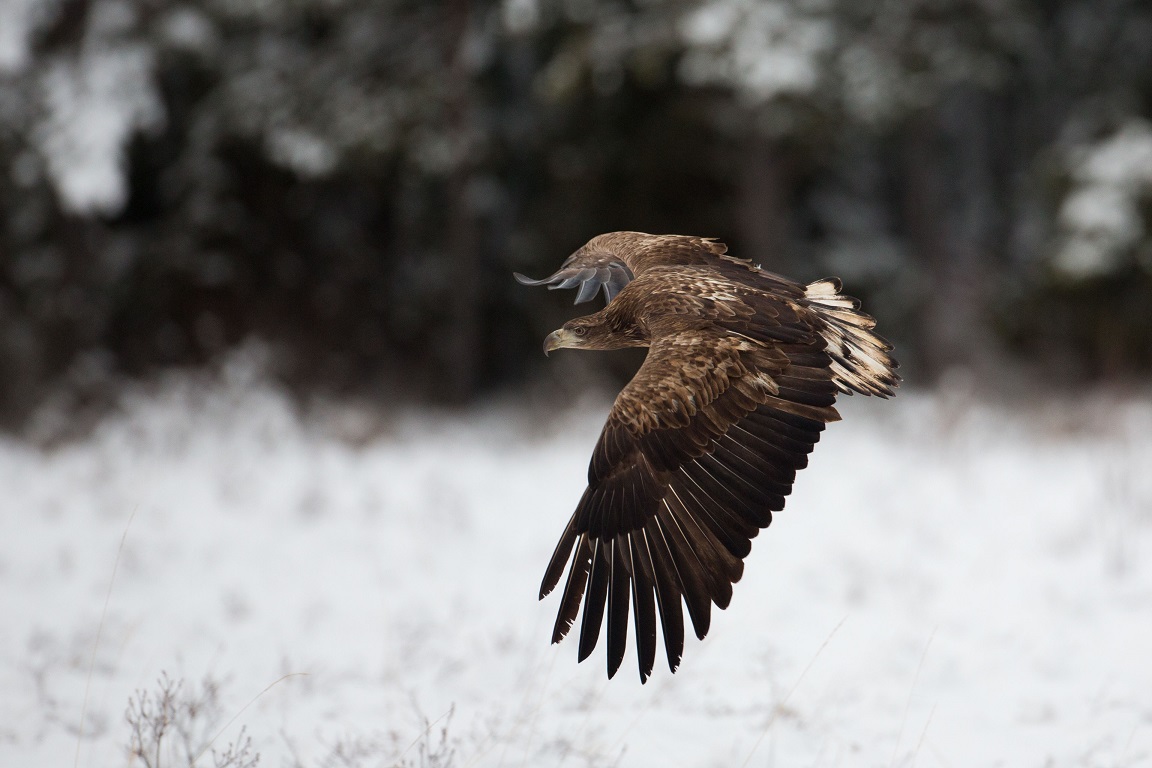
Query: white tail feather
[860, 358]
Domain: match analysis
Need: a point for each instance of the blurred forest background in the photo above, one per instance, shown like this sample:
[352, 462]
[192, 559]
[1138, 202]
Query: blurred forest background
[353, 181]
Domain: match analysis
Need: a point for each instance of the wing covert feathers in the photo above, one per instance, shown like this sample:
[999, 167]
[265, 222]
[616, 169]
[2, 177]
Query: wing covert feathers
[703, 445]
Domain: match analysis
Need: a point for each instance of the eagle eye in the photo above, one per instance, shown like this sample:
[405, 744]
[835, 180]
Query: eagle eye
[579, 330]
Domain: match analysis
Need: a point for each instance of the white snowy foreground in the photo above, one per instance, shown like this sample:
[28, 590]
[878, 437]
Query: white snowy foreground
[953, 583]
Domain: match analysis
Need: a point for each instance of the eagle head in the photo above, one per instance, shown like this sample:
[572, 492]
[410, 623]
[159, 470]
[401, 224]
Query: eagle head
[592, 332]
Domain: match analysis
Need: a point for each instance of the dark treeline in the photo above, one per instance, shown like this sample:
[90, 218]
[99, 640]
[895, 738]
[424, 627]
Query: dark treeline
[355, 180]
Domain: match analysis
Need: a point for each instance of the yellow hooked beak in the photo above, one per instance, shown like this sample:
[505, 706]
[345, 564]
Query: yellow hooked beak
[560, 339]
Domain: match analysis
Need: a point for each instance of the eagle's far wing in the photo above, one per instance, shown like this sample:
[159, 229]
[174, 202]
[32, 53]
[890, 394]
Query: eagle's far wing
[613, 264]
[591, 273]
[699, 450]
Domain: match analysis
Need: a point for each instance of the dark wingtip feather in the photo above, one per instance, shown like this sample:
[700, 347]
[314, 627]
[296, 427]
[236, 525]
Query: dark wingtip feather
[594, 601]
[559, 558]
[573, 591]
[668, 593]
[644, 604]
[618, 590]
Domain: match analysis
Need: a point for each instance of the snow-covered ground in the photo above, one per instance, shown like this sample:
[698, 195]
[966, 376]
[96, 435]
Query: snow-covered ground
[953, 583]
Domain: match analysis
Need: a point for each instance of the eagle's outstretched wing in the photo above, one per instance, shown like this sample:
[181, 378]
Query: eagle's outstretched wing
[696, 455]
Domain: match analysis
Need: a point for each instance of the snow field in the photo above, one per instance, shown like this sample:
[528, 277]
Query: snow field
[952, 583]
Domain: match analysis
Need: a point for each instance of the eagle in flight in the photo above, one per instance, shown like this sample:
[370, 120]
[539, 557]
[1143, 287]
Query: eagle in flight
[702, 446]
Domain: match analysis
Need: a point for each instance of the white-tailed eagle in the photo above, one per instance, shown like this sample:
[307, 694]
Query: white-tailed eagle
[702, 446]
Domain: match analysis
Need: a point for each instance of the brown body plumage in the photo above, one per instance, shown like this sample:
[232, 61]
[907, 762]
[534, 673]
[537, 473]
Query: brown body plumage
[702, 446]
